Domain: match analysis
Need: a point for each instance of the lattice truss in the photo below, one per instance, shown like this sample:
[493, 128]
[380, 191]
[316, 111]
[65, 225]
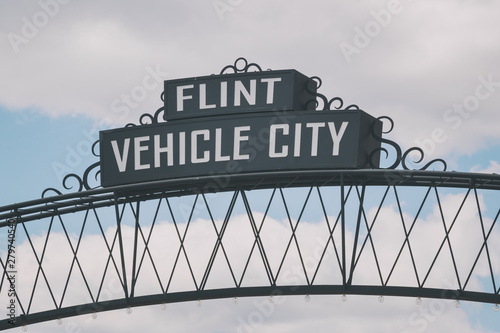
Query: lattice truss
[338, 239]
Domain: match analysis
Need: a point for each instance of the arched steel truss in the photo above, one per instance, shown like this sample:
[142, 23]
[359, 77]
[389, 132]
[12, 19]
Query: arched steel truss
[347, 216]
[393, 232]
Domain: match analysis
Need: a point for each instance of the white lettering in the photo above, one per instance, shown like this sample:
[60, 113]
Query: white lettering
[296, 144]
[181, 97]
[203, 98]
[137, 153]
[272, 141]
[218, 146]
[314, 136]
[336, 137]
[238, 138]
[250, 96]
[194, 146]
[182, 148]
[121, 159]
[270, 88]
[223, 94]
[159, 150]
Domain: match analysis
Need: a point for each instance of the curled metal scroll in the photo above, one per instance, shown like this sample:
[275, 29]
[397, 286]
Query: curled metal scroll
[81, 182]
[148, 119]
[391, 143]
[239, 68]
[94, 146]
[420, 158]
[326, 104]
[400, 157]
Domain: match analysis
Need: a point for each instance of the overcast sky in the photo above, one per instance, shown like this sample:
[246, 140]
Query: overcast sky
[67, 67]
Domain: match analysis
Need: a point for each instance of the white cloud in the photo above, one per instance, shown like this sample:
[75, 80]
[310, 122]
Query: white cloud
[494, 167]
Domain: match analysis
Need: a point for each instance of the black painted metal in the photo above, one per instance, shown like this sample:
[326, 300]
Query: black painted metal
[352, 185]
[73, 202]
[84, 309]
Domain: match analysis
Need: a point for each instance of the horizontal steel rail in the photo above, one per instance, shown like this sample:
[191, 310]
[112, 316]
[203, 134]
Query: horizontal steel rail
[86, 309]
[73, 202]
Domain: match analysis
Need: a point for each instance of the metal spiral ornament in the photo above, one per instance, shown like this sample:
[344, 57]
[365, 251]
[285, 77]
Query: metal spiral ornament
[82, 183]
[420, 158]
[241, 65]
[148, 119]
[391, 143]
[332, 104]
[400, 157]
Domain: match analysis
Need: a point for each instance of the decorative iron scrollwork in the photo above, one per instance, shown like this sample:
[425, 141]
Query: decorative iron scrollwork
[241, 65]
[400, 157]
[148, 119]
[326, 104]
[393, 144]
[419, 160]
[81, 182]
[241, 69]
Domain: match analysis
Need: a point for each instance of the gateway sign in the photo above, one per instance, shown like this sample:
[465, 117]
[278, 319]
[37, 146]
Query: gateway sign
[251, 143]
[252, 122]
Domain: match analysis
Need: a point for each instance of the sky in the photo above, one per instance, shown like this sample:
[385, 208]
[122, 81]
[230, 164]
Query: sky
[69, 69]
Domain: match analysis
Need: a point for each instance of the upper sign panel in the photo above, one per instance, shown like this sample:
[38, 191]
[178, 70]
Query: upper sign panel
[281, 90]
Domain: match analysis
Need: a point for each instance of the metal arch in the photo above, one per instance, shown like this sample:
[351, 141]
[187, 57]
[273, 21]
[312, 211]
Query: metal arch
[352, 184]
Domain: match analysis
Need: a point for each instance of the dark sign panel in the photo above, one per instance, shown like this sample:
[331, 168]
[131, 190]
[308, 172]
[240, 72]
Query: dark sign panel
[300, 140]
[238, 93]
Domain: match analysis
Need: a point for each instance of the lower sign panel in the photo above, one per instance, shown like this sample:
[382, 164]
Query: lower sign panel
[233, 145]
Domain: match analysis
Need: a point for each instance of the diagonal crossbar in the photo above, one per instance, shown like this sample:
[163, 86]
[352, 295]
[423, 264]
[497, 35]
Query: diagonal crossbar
[447, 231]
[293, 237]
[110, 257]
[406, 240]
[75, 258]
[485, 237]
[146, 246]
[218, 243]
[40, 268]
[258, 241]
[181, 247]
[369, 238]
